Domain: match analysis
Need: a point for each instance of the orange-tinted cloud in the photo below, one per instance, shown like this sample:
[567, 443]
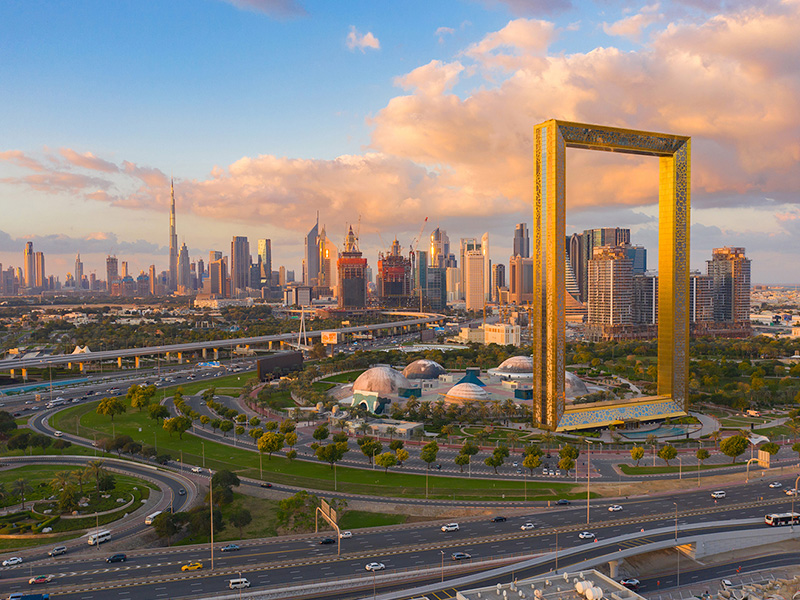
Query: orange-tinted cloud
[21, 159]
[88, 161]
[362, 41]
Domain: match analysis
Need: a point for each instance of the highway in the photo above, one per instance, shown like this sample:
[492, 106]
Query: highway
[62, 359]
[298, 559]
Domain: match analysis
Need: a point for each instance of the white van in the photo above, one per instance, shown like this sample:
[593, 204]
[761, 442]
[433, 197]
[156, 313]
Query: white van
[99, 537]
[239, 583]
[718, 494]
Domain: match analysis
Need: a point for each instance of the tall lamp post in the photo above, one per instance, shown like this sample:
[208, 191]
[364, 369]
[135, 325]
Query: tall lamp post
[677, 548]
[442, 551]
[588, 473]
[680, 468]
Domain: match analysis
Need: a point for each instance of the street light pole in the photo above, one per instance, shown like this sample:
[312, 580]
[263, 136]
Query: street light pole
[203, 444]
[442, 551]
[588, 472]
[680, 468]
[211, 505]
[677, 548]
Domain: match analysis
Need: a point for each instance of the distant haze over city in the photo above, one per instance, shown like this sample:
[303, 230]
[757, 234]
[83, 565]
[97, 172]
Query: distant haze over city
[267, 111]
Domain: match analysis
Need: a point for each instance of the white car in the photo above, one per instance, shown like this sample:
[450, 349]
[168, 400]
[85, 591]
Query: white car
[197, 470]
[58, 434]
[775, 484]
[450, 527]
[346, 534]
[718, 494]
[527, 526]
[10, 562]
[614, 508]
[586, 535]
[375, 566]
[790, 492]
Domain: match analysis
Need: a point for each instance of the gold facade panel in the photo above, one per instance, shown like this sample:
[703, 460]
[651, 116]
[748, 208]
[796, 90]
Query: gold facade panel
[551, 139]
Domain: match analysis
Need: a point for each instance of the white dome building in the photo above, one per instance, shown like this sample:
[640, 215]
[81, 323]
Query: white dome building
[424, 369]
[382, 379]
[573, 386]
[521, 368]
[466, 392]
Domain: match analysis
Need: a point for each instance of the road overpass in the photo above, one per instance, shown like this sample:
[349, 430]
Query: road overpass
[12, 365]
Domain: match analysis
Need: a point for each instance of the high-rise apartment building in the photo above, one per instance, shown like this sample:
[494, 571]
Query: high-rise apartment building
[240, 265]
[730, 270]
[473, 270]
[610, 287]
[265, 256]
[522, 241]
[498, 280]
[580, 248]
[638, 256]
[112, 272]
[467, 244]
[214, 255]
[645, 298]
[453, 287]
[311, 260]
[352, 292]
[184, 271]
[701, 298]
[440, 248]
[394, 277]
[328, 257]
[28, 263]
[420, 273]
[487, 268]
[40, 277]
[520, 280]
[152, 281]
[217, 278]
[436, 288]
[123, 269]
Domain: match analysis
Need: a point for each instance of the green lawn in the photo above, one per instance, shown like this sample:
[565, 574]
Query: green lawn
[658, 470]
[323, 386]
[12, 544]
[264, 523]
[315, 475]
[233, 383]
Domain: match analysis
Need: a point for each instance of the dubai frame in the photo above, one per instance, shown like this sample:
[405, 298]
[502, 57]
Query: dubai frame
[550, 140]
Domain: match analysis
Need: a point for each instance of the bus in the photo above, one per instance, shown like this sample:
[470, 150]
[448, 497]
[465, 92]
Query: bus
[148, 520]
[99, 537]
[778, 519]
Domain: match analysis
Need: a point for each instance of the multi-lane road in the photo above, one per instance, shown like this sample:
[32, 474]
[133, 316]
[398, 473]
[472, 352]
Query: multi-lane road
[273, 563]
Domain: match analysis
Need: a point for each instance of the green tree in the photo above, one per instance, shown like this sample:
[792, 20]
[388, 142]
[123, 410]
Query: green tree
[733, 446]
[321, 433]
[225, 427]
[395, 445]
[667, 453]
[68, 498]
[240, 518]
[462, 460]
[271, 425]
[20, 488]
[287, 426]
[270, 442]
[204, 420]
[385, 460]
[239, 430]
[402, 456]
[225, 478]
[111, 406]
[771, 448]
[332, 453]
[370, 447]
[95, 470]
[158, 412]
[702, 454]
[637, 454]
[569, 451]
[494, 461]
[167, 525]
[566, 463]
[60, 480]
[254, 422]
[532, 461]
[796, 448]
[429, 452]
[177, 425]
[215, 424]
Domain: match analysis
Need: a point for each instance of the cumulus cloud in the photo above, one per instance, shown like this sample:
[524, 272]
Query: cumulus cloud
[357, 40]
[434, 78]
[632, 27]
[275, 8]
[513, 46]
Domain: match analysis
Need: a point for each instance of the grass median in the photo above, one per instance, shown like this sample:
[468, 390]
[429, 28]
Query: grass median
[687, 471]
[84, 421]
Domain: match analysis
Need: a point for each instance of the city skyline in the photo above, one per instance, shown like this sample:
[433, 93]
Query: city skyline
[408, 115]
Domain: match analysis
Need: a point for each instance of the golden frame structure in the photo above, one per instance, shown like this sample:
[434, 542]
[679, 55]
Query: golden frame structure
[550, 141]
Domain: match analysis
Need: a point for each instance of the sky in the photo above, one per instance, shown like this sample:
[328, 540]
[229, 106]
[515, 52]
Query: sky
[384, 113]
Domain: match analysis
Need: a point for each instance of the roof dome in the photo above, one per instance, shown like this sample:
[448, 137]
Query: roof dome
[517, 364]
[573, 386]
[463, 392]
[381, 379]
[423, 369]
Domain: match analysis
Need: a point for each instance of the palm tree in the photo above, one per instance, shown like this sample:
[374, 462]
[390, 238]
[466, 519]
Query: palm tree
[513, 439]
[20, 487]
[80, 476]
[95, 469]
[60, 480]
[547, 439]
[391, 431]
[447, 431]
[363, 427]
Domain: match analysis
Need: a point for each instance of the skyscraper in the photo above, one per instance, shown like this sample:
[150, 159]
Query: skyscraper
[473, 270]
[29, 266]
[498, 280]
[610, 287]
[40, 277]
[730, 270]
[184, 273]
[78, 272]
[217, 278]
[522, 241]
[311, 272]
[152, 281]
[123, 269]
[265, 255]
[467, 244]
[580, 248]
[328, 270]
[352, 274]
[487, 268]
[394, 277]
[520, 280]
[440, 248]
[173, 242]
[240, 265]
[112, 273]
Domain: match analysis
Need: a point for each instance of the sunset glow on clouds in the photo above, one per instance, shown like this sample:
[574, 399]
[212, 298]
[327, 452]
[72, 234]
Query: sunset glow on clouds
[453, 140]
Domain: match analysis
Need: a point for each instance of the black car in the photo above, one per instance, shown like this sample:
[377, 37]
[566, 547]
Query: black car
[116, 558]
[327, 541]
[499, 519]
[563, 502]
[460, 556]
[266, 485]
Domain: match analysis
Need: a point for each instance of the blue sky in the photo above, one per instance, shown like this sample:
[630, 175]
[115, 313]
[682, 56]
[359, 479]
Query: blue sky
[265, 111]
